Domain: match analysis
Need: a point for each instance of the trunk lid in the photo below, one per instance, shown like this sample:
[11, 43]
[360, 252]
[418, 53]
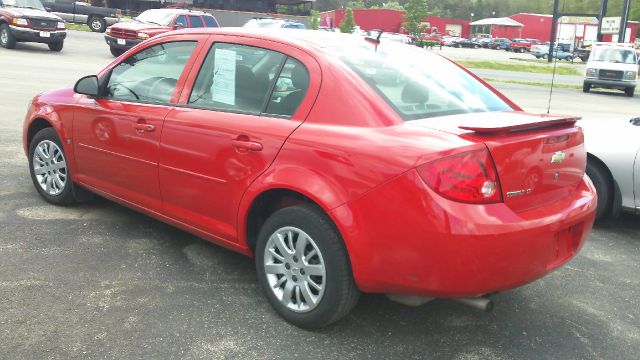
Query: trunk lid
[539, 158]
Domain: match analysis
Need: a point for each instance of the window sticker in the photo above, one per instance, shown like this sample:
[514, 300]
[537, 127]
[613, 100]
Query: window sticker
[223, 88]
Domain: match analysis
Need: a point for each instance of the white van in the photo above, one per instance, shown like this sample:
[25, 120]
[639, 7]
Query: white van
[612, 66]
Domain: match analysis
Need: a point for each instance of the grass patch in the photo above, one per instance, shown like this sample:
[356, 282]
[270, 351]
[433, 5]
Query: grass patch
[79, 27]
[534, 83]
[539, 69]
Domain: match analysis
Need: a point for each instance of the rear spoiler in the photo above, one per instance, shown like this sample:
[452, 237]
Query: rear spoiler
[503, 125]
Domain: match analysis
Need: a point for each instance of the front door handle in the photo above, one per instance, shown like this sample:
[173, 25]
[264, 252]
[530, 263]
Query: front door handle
[142, 127]
[243, 143]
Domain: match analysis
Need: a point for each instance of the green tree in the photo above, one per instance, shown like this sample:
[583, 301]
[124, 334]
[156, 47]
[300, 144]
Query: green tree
[416, 12]
[314, 20]
[392, 5]
[348, 24]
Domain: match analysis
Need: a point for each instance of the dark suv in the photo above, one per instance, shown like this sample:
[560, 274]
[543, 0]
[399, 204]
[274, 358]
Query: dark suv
[28, 21]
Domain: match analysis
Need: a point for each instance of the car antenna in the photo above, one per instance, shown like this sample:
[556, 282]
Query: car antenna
[375, 41]
[555, 63]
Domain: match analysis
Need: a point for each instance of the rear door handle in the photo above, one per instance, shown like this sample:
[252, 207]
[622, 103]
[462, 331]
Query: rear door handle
[142, 127]
[246, 144]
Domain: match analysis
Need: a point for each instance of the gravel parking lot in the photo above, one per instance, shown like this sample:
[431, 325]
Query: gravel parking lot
[98, 280]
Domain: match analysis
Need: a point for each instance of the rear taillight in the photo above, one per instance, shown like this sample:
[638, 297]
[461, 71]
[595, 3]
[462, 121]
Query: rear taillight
[469, 177]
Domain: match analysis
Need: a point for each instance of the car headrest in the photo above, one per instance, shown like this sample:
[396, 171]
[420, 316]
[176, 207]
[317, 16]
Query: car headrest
[299, 77]
[415, 93]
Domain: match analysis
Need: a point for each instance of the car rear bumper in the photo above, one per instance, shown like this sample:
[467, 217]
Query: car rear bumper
[128, 43]
[611, 84]
[30, 35]
[415, 242]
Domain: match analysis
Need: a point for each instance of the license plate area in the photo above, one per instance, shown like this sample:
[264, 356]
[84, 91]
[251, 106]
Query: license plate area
[121, 42]
[566, 243]
[45, 34]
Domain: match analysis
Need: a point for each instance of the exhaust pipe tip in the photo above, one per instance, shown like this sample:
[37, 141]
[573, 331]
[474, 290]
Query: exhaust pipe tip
[478, 303]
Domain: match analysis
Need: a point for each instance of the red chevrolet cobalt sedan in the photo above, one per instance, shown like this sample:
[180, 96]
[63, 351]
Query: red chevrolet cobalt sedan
[341, 164]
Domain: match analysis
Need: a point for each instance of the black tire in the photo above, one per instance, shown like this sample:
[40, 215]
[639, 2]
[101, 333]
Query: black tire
[340, 292]
[65, 195]
[7, 40]
[629, 91]
[586, 87]
[116, 52]
[476, 46]
[56, 46]
[498, 47]
[97, 24]
[569, 58]
[604, 188]
[545, 56]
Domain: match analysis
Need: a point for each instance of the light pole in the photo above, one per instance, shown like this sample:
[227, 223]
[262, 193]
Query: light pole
[470, 26]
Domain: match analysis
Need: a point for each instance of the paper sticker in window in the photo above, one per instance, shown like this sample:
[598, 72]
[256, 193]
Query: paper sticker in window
[223, 88]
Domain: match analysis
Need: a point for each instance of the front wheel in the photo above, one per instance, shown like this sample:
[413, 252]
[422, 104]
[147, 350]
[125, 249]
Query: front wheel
[629, 91]
[586, 87]
[303, 267]
[7, 40]
[49, 169]
[56, 46]
[116, 52]
[97, 24]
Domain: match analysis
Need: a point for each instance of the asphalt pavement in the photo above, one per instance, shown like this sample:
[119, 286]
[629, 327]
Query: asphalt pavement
[98, 280]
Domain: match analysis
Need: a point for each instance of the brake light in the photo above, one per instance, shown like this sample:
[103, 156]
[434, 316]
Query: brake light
[469, 177]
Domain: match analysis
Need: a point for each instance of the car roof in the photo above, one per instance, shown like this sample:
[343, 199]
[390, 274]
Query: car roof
[297, 37]
[180, 11]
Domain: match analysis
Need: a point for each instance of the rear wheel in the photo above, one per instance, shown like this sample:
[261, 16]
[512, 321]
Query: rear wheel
[56, 46]
[545, 56]
[303, 267]
[48, 168]
[97, 24]
[604, 187]
[586, 87]
[629, 91]
[498, 47]
[116, 52]
[7, 40]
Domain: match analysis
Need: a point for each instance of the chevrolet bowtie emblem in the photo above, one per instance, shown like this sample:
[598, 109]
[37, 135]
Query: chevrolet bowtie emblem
[557, 157]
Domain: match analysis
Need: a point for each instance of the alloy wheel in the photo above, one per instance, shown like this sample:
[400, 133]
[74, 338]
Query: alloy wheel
[295, 269]
[50, 167]
[4, 37]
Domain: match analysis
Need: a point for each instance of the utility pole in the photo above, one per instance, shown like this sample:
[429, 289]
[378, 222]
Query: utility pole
[603, 13]
[554, 30]
[623, 21]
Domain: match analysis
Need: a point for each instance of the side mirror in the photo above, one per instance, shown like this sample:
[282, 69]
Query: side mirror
[178, 26]
[87, 85]
[48, 8]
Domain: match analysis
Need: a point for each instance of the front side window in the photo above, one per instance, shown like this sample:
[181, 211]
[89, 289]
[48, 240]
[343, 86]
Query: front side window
[181, 21]
[196, 21]
[416, 83]
[236, 78]
[150, 75]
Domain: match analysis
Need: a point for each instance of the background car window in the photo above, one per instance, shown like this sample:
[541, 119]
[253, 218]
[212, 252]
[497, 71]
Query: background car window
[196, 21]
[210, 21]
[290, 89]
[150, 75]
[182, 20]
[236, 78]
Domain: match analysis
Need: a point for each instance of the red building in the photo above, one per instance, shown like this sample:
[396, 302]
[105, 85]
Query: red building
[391, 21]
[538, 26]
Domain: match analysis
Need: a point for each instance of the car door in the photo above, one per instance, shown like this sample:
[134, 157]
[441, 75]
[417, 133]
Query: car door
[229, 127]
[117, 134]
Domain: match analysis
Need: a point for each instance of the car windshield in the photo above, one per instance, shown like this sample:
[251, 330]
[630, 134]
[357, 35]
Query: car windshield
[415, 82]
[624, 56]
[29, 4]
[156, 17]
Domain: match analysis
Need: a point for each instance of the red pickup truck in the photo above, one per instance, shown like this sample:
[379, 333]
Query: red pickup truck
[522, 45]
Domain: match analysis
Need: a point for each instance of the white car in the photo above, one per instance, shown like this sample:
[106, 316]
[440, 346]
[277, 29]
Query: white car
[612, 66]
[613, 163]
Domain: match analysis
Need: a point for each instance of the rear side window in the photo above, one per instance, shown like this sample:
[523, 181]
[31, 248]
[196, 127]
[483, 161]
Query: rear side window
[210, 21]
[150, 75]
[290, 89]
[196, 21]
[236, 78]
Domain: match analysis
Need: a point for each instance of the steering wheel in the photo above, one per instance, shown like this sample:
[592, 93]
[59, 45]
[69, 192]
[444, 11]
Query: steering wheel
[120, 85]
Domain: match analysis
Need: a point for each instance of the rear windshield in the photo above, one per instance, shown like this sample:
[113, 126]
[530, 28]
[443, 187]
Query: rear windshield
[415, 82]
[623, 56]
